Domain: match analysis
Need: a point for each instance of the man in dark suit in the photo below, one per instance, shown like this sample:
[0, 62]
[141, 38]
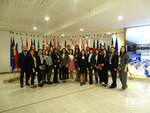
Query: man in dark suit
[91, 60]
[87, 54]
[23, 66]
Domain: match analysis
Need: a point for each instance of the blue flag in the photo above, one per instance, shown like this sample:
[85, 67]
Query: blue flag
[100, 44]
[12, 62]
[108, 49]
[34, 44]
[43, 44]
[97, 43]
[112, 43]
[21, 44]
[116, 45]
[50, 45]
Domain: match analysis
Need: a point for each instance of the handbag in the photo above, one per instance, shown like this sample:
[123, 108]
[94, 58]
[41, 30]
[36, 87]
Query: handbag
[119, 68]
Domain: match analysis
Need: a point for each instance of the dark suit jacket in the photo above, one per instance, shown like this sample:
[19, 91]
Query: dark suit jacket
[83, 64]
[114, 60]
[105, 61]
[97, 63]
[23, 61]
[91, 64]
[55, 58]
[31, 63]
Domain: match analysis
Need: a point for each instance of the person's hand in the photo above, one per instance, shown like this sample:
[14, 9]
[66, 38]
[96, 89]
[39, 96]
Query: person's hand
[75, 60]
[54, 66]
[100, 68]
[91, 67]
[102, 64]
[125, 70]
[87, 69]
[66, 65]
[115, 69]
[41, 68]
[58, 61]
[52, 63]
[33, 70]
[59, 66]
[78, 68]
[19, 69]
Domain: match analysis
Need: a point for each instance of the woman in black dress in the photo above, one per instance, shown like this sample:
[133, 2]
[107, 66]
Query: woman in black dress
[82, 66]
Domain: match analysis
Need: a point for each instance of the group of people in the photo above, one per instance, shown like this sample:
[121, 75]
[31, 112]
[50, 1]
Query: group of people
[65, 61]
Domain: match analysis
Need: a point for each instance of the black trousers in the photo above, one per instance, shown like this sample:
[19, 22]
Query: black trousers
[100, 76]
[41, 74]
[55, 79]
[105, 75]
[86, 75]
[67, 74]
[64, 72]
[22, 76]
[114, 76]
[60, 77]
[33, 76]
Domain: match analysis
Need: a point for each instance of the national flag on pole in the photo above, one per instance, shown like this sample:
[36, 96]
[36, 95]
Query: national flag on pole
[97, 43]
[16, 62]
[54, 44]
[38, 44]
[14, 52]
[86, 42]
[65, 43]
[43, 44]
[21, 44]
[34, 44]
[116, 45]
[31, 42]
[50, 44]
[46, 42]
[57, 43]
[94, 46]
[100, 44]
[104, 46]
[12, 62]
[27, 44]
[108, 49]
[112, 43]
[83, 44]
[75, 42]
[69, 42]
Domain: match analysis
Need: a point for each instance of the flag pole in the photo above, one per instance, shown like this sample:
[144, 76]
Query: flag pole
[10, 61]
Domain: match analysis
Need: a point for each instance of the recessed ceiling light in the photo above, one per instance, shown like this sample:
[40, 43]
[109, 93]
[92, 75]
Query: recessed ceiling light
[46, 18]
[120, 17]
[108, 33]
[81, 29]
[62, 35]
[34, 28]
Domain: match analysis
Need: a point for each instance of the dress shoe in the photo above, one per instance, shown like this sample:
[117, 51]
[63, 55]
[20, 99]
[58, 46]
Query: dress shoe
[21, 86]
[81, 84]
[121, 89]
[84, 83]
[112, 87]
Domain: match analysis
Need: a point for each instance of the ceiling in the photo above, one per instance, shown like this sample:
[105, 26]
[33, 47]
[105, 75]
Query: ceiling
[68, 16]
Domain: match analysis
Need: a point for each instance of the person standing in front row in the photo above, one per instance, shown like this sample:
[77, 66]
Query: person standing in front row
[71, 65]
[76, 55]
[22, 64]
[105, 67]
[64, 64]
[87, 52]
[33, 67]
[49, 66]
[56, 61]
[123, 63]
[82, 66]
[91, 60]
[113, 61]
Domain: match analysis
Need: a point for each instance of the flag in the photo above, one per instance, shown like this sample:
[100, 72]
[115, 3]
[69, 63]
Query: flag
[112, 43]
[27, 44]
[14, 52]
[108, 49]
[68, 42]
[31, 42]
[65, 43]
[97, 43]
[54, 44]
[21, 44]
[104, 46]
[50, 45]
[46, 42]
[94, 46]
[58, 43]
[100, 44]
[34, 44]
[12, 63]
[83, 44]
[75, 42]
[38, 44]
[43, 44]
[86, 42]
[116, 45]
[16, 62]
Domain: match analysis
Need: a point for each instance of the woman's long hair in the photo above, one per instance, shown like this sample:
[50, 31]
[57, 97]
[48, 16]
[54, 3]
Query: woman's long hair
[77, 53]
[114, 51]
[121, 52]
